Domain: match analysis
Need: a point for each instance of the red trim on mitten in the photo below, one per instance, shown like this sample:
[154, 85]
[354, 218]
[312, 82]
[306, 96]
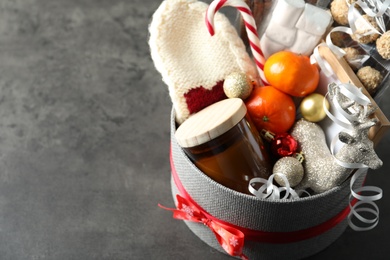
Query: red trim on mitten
[199, 98]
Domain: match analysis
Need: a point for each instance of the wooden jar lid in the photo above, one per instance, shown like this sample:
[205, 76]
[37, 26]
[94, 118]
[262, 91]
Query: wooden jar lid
[210, 122]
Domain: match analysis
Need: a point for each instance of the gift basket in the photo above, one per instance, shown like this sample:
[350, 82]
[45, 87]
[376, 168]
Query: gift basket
[272, 130]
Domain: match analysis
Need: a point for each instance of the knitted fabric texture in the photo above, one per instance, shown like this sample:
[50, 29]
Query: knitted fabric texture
[192, 62]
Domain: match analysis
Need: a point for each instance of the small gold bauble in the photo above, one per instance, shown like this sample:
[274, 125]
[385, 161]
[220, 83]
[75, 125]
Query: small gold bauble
[292, 168]
[312, 107]
[237, 85]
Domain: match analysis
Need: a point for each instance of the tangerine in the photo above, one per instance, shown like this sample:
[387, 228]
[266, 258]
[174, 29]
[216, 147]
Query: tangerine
[271, 109]
[291, 73]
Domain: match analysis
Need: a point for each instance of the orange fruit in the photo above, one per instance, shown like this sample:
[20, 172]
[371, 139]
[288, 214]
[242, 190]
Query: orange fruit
[271, 109]
[291, 73]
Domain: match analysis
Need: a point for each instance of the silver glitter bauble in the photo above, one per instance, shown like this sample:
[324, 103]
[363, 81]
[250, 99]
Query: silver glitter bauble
[237, 85]
[291, 168]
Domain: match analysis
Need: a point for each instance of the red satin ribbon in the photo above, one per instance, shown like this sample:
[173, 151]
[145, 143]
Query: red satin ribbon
[232, 237]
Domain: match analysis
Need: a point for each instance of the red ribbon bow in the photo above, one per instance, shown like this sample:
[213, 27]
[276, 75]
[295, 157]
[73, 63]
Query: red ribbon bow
[231, 239]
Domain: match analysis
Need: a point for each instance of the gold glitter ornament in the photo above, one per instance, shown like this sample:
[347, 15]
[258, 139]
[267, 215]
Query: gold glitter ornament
[237, 85]
[291, 168]
[312, 108]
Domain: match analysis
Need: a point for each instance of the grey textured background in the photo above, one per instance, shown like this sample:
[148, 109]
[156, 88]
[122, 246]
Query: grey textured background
[84, 140]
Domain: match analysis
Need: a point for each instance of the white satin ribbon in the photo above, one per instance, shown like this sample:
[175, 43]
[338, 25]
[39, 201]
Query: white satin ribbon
[339, 52]
[366, 203]
[373, 8]
[324, 66]
[316, 57]
[353, 93]
[354, 17]
[335, 49]
[268, 190]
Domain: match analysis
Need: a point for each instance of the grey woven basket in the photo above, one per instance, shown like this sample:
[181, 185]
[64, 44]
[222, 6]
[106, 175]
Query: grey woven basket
[248, 212]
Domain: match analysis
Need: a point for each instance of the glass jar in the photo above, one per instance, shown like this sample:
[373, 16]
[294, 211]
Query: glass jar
[223, 143]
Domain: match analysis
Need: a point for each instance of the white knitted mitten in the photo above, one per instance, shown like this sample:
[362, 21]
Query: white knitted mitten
[193, 63]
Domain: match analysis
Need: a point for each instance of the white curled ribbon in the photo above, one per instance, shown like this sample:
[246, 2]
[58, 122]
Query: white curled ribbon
[268, 190]
[324, 66]
[339, 52]
[365, 203]
[373, 8]
[335, 49]
[355, 19]
[316, 56]
[352, 92]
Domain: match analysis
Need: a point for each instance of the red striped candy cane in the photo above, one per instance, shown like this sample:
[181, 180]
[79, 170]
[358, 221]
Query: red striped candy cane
[250, 26]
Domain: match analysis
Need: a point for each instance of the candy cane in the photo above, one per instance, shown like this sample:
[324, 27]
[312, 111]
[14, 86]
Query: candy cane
[250, 26]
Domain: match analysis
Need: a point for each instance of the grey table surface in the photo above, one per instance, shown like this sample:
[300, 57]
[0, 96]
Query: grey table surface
[84, 140]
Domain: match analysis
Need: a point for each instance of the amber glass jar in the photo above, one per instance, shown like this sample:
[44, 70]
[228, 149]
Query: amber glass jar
[223, 143]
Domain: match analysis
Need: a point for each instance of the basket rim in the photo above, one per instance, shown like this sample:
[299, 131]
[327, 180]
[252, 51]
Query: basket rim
[243, 195]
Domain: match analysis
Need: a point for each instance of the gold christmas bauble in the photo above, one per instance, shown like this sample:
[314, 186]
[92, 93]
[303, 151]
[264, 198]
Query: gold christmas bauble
[237, 85]
[312, 107]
